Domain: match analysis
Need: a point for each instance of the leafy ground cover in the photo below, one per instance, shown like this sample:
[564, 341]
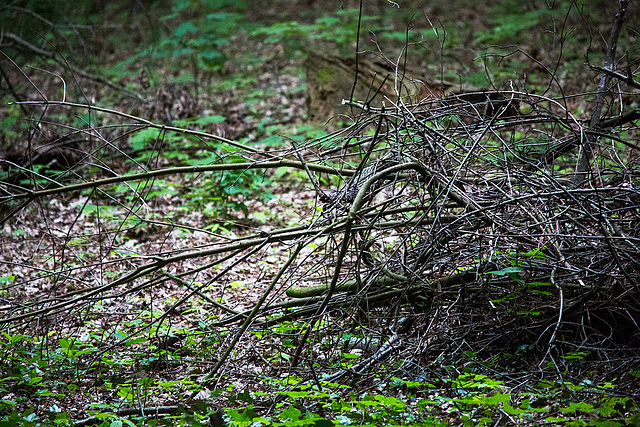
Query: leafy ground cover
[143, 354]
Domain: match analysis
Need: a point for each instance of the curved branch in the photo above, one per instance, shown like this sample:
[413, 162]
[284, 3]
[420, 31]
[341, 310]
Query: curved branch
[177, 170]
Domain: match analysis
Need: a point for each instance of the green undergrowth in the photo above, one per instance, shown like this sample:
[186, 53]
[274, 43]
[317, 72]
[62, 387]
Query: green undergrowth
[191, 41]
[39, 374]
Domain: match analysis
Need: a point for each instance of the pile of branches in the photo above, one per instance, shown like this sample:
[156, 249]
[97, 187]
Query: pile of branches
[461, 221]
[479, 221]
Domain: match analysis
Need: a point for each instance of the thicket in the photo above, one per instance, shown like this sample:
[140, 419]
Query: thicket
[469, 258]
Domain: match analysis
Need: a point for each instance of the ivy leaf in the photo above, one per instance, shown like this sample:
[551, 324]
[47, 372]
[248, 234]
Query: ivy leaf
[291, 413]
[245, 396]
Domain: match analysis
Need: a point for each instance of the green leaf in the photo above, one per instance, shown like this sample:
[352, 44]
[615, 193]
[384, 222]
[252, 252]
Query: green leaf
[291, 413]
[211, 56]
[329, 21]
[273, 140]
[261, 217]
[140, 140]
[139, 340]
[246, 397]
[185, 28]
[120, 335]
[390, 401]
[350, 355]
[575, 355]
[511, 410]
[210, 119]
[537, 253]
[35, 380]
[505, 271]
[578, 407]
[220, 16]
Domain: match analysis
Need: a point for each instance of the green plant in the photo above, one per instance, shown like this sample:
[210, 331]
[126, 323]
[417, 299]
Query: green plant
[340, 29]
[512, 27]
[202, 30]
[215, 194]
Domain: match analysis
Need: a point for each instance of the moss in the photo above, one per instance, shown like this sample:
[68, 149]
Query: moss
[325, 75]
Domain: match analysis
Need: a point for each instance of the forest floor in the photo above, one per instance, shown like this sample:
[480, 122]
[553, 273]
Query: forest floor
[113, 353]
